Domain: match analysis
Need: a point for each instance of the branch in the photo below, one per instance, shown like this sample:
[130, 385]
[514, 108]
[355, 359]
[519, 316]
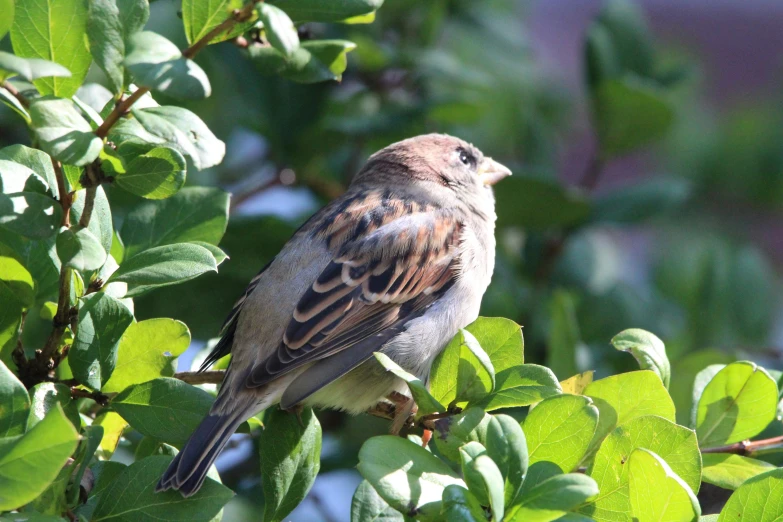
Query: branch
[122, 108]
[98, 397]
[747, 447]
[210, 377]
[16, 94]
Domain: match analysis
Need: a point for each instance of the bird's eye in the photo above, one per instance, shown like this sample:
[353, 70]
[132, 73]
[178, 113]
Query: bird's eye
[466, 158]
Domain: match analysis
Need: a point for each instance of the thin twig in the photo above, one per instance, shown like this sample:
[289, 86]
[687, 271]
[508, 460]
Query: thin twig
[119, 111]
[98, 397]
[66, 199]
[747, 447]
[16, 94]
[210, 377]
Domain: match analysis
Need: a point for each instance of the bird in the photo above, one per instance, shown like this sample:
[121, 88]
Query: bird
[398, 264]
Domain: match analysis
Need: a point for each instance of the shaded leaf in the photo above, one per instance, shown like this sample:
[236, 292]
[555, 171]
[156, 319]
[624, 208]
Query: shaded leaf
[157, 174]
[78, 248]
[62, 131]
[313, 61]
[31, 68]
[656, 492]
[427, 403]
[14, 404]
[521, 386]
[729, 471]
[648, 351]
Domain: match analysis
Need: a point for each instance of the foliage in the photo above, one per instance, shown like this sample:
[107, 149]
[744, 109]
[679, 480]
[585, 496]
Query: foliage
[100, 224]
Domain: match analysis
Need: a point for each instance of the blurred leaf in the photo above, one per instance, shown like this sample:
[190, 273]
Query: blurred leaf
[427, 403]
[78, 248]
[14, 104]
[313, 61]
[648, 351]
[55, 32]
[576, 384]
[676, 445]
[483, 477]
[165, 409]
[405, 475]
[16, 283]
[753, 299]
[162, 266]
[553, 498]
[731, 471]
[316, 11]
[7, 7]
[501, 339]
[45, 397]
[192, 214]
[110, 23]
[460, 505]
[506, 446]
[182, 130]
[564, 336]
[463, 358]
[629, 113]
[290, 459]
[642, 201]
[738, 403]
[146, 351]
[537, 203]
[201, 17]
[656, 492]
[368, 505]
[10, 323]
[131, 496]
[63, 133]
[102, 321]
[16, 404]
[36, 160]
[30, 462]
[624, 397]
[757, 500]
[91, 439]
[100, 220]
[279, 29]
[157, 174]
[521, 386]
[31, 68]
[158, 64]
[559, 430]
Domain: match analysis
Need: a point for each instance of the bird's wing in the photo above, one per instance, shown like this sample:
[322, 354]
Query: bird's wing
[388, 265]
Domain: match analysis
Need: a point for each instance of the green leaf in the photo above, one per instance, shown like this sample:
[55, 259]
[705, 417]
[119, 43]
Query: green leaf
[14, 404]
[642, 201]
[316, 11]
[483, 477]
[460, 505]
[25, 206]
[200, 17]
[676, 445]
[100, 221]
[102, 321]
[656, 492]
[463, 358]
[109, 25]
[84, 454]
[629, 113]
[146, 351]
[576, 384]
[738, 403]
[700, 382]
[29, 463]
[729, 471]
[183, 131]
[158, 64]
[313, 61]
[648, 351]
[527, 201]
[559, 430]
[564, 336]
[501, 339]
[368, 505]
[290, 460]
[10, 324]
[13, 103]
[36, 160]
[621, 398]
[427, 403]
[7, 7]
[16, 283]
[78, 248]
[757, 500]
[453, 432]
[62, 131]
[162, 266]
[31, 68]
[279, 29]
[406, 475]
[521, 386]
[131, 496]
[506, 446]
[56, 32]
[45, 397]
[552, 498]
[192, 214]
[164, 408]
[157, 174]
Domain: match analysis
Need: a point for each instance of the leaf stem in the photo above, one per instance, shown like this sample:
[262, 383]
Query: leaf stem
[210, 377]
[747, 447]
[16, 94]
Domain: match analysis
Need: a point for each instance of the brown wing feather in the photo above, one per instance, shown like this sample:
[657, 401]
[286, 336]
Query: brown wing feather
[391, 261]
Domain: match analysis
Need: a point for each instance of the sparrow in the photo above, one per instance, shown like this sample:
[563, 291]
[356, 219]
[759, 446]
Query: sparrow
[397, 265]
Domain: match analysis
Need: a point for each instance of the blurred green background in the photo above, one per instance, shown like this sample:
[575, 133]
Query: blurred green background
[647, 188]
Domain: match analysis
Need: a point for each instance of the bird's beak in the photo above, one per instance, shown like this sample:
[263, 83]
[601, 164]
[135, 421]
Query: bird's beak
[491, 171]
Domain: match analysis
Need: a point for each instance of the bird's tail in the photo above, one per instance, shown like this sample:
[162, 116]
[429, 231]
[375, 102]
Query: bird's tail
[189, 468]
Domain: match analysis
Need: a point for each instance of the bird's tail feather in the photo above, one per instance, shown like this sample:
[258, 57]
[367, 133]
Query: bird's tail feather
[189, 468]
